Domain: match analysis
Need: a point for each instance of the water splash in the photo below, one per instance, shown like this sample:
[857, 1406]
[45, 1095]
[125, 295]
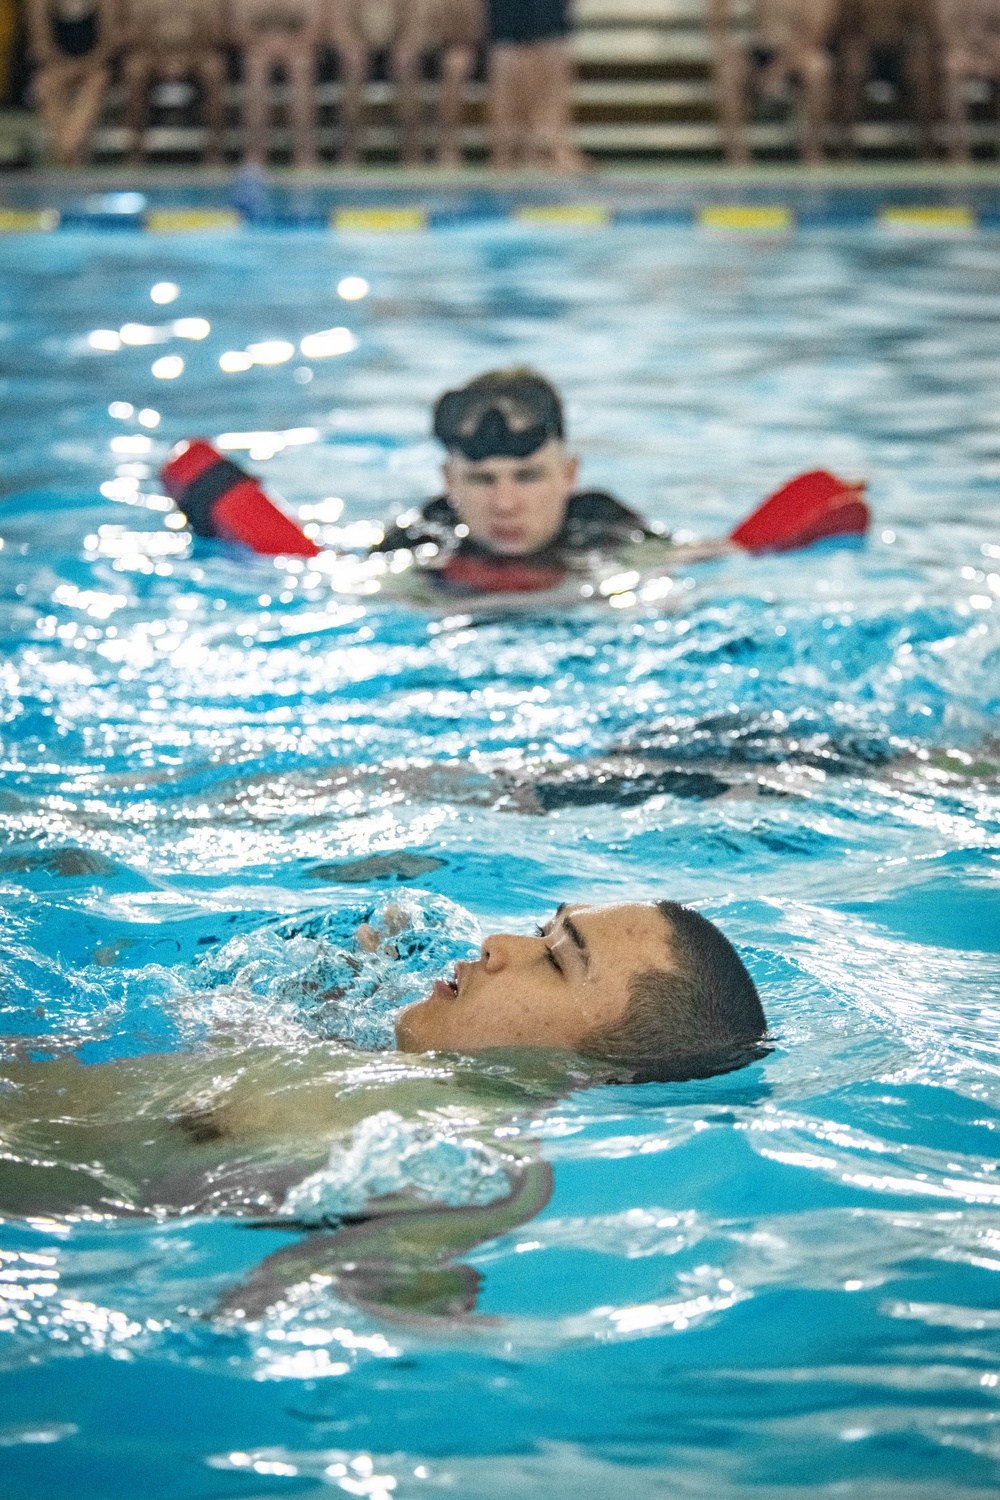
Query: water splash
[388, 1154]
[310, 976]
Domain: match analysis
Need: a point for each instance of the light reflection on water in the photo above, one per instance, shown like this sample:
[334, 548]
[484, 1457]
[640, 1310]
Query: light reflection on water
[761, 1284]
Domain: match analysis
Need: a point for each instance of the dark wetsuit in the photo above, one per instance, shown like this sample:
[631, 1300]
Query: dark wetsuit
[76, 37]
[595, 521]
[520, 22]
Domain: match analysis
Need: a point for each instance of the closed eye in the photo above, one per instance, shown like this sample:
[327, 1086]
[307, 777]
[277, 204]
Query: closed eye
[549, 955]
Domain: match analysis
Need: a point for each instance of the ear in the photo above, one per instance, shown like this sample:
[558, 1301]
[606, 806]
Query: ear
[572, 469]
[447, 475]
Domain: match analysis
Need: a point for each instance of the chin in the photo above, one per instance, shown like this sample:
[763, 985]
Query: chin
[409, 1037]
[507, 547]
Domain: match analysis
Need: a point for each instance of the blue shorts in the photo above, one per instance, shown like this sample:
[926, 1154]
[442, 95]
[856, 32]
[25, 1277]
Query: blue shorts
[521, 22]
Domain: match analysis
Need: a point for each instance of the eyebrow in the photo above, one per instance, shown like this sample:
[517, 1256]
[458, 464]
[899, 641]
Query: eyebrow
[577, 937]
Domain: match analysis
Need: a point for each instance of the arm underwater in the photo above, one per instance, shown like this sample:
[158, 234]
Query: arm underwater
[221, 500]
[239, 1133]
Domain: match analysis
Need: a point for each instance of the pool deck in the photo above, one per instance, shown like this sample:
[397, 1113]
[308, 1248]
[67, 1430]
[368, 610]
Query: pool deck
[867, 174]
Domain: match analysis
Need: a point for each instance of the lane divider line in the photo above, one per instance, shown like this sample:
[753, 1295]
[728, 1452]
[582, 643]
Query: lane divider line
[28, 220]
[766, 221]
[906, 219]
[190, 220]
[720, 219]
[379, 220]
[575, 215]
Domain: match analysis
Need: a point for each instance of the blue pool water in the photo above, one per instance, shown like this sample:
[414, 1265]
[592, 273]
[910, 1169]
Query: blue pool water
[780, 1282]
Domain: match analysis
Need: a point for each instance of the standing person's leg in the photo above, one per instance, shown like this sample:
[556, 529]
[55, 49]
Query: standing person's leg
[353, 75]
[256, 102]
[924, 86]
[456, 68]
[457, 26]
[210, 68]
[349, 43]
[82, 113]
[956, 111]
[54, 87]
[301, 65]
[731, 78]
[508, 66]
[816, 23]
[405, 63]
[814, 77]
[552, 112]
[854, 62]
[139, 69]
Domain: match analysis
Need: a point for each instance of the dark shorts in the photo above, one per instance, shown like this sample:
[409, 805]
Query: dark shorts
[521, 22]
[888, 65]
[763, 57]
[76, 38]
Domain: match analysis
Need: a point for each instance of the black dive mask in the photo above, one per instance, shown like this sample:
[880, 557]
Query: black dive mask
[494, 425]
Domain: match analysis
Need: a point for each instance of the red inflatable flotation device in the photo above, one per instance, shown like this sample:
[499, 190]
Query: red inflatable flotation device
[484, 575]
[805, 510]
[220, 500]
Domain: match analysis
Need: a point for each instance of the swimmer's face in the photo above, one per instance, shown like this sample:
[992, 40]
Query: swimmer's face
[546, 991]
[512, 505]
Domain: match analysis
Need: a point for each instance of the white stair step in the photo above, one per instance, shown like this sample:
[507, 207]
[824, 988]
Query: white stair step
[640, 44]
[653, 12]
[113, 140]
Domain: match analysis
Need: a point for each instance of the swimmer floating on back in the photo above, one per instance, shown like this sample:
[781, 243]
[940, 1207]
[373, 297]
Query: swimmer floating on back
[511, 520]
[632, 992]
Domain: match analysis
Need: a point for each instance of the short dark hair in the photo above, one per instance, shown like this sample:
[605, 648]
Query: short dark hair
[508, 413]
[699, 1018]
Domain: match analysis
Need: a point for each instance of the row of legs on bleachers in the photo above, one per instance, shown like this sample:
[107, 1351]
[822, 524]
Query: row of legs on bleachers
[824, 50]
[829, 50]
[76, 45]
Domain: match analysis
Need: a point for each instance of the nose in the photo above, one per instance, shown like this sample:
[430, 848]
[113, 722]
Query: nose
[504, 950]
[506, 497]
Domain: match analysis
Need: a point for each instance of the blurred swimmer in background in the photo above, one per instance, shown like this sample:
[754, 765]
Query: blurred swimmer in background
[511, 508]
[511, 519]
